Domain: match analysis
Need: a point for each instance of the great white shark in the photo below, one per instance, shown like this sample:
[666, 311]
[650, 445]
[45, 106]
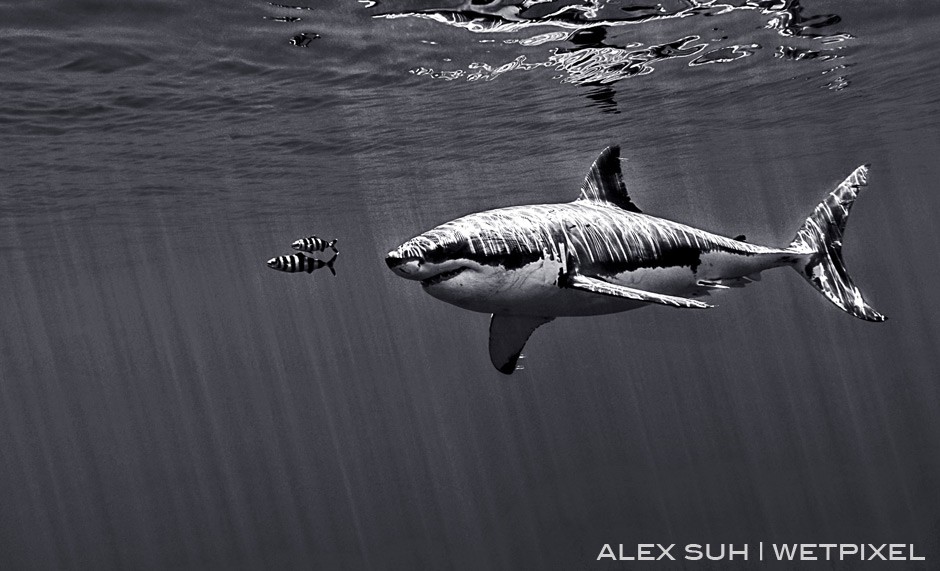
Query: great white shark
[527, 265]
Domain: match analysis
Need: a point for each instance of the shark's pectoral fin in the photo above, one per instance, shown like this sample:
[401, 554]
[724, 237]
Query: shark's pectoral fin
[594, 285]
[508, 335]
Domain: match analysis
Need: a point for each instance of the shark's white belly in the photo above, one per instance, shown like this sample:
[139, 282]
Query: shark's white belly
[534, 288]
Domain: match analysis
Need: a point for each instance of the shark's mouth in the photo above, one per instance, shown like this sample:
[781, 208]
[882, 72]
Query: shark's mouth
[444, 276]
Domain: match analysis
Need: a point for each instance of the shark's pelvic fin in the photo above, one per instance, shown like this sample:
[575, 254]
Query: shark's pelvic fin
[594, 285]
[508, 335]
[604, 183]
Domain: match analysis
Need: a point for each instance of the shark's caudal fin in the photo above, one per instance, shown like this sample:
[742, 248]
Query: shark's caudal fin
[508, 335]
[819, 243]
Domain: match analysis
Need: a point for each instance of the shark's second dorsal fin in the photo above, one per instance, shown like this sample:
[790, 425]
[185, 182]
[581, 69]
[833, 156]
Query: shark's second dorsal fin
[604, 183]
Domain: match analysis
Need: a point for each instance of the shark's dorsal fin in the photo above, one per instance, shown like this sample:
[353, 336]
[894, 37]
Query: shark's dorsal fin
[604, 183]
[508, 335]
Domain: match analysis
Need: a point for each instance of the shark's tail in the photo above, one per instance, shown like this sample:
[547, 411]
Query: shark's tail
[819, 245]
[329, 263]
[333, 245]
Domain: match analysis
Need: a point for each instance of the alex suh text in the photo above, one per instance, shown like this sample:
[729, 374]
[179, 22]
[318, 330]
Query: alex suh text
[761, 552]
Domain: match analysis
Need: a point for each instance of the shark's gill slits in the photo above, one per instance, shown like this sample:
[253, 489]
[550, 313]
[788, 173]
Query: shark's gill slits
[602, 42]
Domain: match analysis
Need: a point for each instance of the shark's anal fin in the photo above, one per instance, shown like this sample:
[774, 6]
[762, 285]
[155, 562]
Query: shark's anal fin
[508, 335]
[594, 285]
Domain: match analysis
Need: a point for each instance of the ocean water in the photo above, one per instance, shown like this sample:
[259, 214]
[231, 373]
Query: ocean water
[169, 402]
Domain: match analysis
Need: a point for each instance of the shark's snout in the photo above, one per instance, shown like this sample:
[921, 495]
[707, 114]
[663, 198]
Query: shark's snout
[298, 244]
[272, 263]
[404, 266]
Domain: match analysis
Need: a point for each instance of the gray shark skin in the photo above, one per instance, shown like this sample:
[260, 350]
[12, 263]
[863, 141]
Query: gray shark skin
[527, 265]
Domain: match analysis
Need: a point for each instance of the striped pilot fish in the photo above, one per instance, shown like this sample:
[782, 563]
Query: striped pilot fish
[313, 244]
[527, 265]
[301, 263]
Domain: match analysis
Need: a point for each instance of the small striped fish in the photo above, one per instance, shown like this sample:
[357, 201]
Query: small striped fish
[313, 244]
[300, 263]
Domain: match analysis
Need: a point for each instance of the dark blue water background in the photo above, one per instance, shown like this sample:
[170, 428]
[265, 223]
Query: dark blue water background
[167, 401]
